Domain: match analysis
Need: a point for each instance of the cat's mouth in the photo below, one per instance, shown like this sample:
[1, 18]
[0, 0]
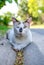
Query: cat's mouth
[20, 35]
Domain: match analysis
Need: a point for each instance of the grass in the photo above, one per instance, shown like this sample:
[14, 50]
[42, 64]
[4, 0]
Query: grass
[3, 29]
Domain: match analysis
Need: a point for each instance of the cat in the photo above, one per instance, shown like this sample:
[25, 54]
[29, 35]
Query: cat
[20, 35]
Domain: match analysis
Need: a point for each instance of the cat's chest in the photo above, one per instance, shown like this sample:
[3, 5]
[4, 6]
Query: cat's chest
[20, 40]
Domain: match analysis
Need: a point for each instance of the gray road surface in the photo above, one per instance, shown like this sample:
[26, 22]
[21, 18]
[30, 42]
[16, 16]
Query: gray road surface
[36, 49]
[33, 53]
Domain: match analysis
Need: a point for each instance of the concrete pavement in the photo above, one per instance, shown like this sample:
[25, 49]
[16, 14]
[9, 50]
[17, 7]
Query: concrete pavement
[33, 53]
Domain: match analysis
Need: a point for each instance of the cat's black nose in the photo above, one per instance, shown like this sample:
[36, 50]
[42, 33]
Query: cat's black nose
[20, 30]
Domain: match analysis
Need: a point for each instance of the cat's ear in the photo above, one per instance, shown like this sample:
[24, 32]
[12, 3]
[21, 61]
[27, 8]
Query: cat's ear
[14, 19]
[29, 20]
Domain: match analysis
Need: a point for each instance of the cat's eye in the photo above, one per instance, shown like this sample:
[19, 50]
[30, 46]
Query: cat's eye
[25, 26]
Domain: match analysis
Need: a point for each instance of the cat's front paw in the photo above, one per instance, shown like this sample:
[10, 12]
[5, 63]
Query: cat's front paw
[17, 47]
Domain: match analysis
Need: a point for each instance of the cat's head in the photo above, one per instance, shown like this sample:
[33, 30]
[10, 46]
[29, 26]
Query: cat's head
[21, 28]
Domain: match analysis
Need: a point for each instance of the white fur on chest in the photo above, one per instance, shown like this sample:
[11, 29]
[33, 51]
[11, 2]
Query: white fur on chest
[24, 40]
[20, 43]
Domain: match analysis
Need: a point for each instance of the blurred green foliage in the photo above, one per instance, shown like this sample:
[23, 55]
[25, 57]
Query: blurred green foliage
[27, 8]
[3, 2]
[42, 8]
[6, 18]
[31, 8]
